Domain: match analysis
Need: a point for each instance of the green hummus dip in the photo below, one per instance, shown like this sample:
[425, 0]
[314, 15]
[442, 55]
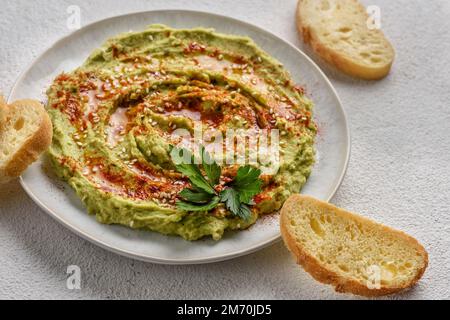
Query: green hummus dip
[114, 116]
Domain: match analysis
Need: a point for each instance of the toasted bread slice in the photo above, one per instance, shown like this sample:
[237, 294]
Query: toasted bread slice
[25, 132]
[337, 31]
[352, 253]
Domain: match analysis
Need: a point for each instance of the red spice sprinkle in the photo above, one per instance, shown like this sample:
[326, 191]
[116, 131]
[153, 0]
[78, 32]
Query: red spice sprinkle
[62, 77]
[194, 47]
[300, 89]
[72, 109]
[88, 86]
[239, 60]
[115, 51]
[215, 53]
[261, 197]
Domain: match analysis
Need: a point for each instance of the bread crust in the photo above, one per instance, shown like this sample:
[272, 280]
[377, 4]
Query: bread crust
[33, 147]
[323, 274]
[341, 62]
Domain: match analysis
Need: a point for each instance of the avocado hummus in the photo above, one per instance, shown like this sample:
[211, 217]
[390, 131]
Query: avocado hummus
[114, 116]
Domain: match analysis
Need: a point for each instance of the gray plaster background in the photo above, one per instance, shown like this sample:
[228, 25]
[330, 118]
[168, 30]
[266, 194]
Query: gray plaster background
[399, 171]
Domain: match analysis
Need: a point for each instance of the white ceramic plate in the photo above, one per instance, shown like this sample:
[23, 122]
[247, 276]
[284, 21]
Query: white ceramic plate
[58, 199]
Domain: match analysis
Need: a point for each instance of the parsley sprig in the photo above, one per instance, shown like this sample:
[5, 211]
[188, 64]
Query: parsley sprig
[206, 192]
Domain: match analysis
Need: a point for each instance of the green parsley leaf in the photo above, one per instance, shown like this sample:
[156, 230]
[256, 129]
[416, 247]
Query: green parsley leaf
[192, 171]
[197, 196]
[247, 183]
[246, 175]
[246, 195]
[212, 169]
[237, 195]
[245, 212]
[189, 206]
[232, 201]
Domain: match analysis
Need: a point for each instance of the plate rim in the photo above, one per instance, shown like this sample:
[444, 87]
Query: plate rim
[164, 261]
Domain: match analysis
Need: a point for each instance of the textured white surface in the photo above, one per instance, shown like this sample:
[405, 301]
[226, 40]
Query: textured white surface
[399, 172]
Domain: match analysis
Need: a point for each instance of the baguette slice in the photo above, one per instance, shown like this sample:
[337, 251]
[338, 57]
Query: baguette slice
[352, 253]
[25, 132]
[337, 31]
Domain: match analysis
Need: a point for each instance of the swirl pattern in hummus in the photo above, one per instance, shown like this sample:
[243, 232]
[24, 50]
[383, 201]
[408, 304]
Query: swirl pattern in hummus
[114, 119]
